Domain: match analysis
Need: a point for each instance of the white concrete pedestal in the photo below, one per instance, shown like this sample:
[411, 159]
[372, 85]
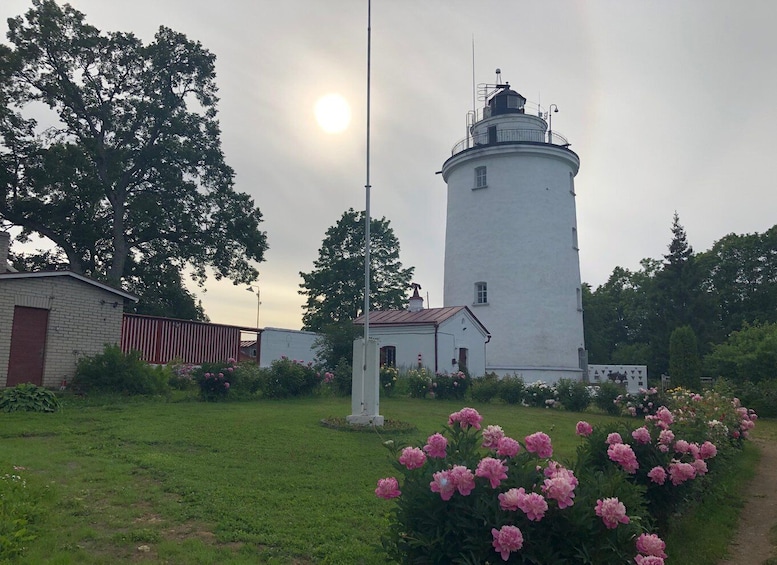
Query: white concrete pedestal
[365, 387]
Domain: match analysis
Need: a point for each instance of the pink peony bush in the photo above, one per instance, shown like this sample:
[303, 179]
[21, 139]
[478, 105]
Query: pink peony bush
[472, 492]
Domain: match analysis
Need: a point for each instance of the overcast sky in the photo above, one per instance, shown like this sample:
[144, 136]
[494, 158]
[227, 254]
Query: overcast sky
[669, 104]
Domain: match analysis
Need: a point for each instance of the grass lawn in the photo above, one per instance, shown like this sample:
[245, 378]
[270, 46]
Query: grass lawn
[239, 482]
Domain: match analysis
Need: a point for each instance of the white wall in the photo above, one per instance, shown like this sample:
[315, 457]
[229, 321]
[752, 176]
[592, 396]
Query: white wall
[293, 344]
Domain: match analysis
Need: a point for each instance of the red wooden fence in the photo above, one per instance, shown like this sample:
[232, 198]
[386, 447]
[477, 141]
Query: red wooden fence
[161, 340]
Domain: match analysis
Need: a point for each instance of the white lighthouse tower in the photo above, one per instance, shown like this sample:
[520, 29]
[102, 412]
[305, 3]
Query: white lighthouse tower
[511, 239]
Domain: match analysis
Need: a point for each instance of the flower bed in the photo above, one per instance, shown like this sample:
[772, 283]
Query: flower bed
[470, 494]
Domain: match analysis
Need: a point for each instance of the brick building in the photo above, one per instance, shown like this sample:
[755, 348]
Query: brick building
[50, 319]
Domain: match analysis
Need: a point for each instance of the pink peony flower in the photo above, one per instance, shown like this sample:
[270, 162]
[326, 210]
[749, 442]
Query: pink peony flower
[666, 437]
[612, 511]
[657, 475]
[651, 544]
[444, 484]
[539, 443]
[388, 488]
[681, 472]
[614, 438]
[583, 429]
[506, 540]
[648, 560]
[493, 470]
[508, 447]
[509, 500]
[665, 417]
[466, 417]
[532, 504]
[555, 469]
[641, 435]
[491, 436]
[226, 384]
[708, 450]
[560, 489]
[700, 466]
[681, 446]
[436, 445]
[412, 458]
[463, 479]
[622, 454]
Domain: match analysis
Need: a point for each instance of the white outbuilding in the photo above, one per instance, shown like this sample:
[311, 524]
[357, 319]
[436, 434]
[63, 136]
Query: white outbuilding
[511, 250]
[443, 340]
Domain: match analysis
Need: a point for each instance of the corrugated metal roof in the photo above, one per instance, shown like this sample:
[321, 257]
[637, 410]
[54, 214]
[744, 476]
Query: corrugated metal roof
[428, 316]
[405, 317]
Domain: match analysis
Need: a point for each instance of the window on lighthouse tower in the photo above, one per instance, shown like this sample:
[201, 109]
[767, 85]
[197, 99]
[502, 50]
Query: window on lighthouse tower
[481, 180]
[481, 293]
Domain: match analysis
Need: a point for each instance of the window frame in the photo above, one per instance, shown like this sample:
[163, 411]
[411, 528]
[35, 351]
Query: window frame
[481, 177]
[481, 293]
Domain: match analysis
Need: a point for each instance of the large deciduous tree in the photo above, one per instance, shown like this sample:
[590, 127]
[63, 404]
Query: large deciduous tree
[110, 148]
[335, 287]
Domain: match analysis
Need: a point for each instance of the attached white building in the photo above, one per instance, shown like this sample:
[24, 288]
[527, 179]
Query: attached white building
[511, 249]
[444, 340]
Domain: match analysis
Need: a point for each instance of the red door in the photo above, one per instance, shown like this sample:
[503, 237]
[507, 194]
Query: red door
[28, 345]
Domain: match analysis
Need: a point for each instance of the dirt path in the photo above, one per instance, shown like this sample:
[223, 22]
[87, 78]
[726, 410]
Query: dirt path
[751, 545]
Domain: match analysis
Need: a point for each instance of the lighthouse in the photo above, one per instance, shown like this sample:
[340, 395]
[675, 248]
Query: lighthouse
[511, 250]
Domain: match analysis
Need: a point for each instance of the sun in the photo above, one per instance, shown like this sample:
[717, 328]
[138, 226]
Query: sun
[333, 113]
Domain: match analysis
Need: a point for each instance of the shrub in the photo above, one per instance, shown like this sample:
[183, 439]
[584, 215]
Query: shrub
[475, 496]
[674, 455]
[573, 395]
[287, 378]
[388, 379]
[419, 382]
[215, 379]
[643, 403]
[541, 394]
[606, 397]
[512, 389]
[483, 389]
[453, 386]
[343, 378]
[181, 377]
[760, 396]
[27, 397]
[115, 371]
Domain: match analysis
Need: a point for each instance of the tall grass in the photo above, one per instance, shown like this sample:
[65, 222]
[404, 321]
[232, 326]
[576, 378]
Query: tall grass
[240, 482]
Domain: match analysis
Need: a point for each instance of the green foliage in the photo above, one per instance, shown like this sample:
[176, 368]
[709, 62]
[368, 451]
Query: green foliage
[335, 343]
[286, 378]
[760, 396]
[450, 387]
[114, 371]
[512, 389]
[128, 179]
[27, 397]
[573, 395]
[485, 388]
[19, 510]
[334, 289]
[343, 378]
[181, 377]
[606, 396]
[215, 379]
[684, 363]
[424, 527]
[419, 382]
[747, 354]
[388, 380]
[540, 394]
